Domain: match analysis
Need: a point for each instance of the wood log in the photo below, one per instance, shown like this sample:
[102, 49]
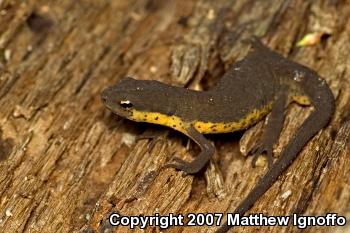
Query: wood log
[67, 163]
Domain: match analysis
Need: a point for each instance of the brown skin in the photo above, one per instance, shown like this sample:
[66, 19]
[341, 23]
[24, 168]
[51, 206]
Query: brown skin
[269, 83]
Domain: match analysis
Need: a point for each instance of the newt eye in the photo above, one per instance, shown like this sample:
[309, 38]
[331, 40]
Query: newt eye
[125, 104]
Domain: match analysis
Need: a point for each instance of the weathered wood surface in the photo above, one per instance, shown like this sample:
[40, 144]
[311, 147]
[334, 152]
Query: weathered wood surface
[67, 162]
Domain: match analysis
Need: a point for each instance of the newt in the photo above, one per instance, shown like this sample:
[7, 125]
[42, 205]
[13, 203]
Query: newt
[261, 83]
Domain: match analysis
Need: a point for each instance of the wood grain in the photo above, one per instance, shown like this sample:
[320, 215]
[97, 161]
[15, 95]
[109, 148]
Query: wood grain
[66, 162]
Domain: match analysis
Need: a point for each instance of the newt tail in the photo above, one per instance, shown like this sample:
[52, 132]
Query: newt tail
[323, 101]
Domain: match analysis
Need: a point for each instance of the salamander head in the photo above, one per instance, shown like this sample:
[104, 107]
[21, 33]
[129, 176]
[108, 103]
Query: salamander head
[130, 95]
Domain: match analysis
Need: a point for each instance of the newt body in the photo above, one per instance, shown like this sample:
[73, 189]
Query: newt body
[261, 83]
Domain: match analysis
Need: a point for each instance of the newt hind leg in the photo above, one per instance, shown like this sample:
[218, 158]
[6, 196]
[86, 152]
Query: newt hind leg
[272, 130]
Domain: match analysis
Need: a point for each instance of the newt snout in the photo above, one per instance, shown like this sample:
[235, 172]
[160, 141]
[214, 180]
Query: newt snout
[116, 105]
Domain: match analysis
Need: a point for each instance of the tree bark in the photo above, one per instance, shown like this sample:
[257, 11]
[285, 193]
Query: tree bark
[67, 163]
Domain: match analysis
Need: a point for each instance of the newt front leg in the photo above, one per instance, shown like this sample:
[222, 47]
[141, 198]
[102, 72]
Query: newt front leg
[207, 151]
